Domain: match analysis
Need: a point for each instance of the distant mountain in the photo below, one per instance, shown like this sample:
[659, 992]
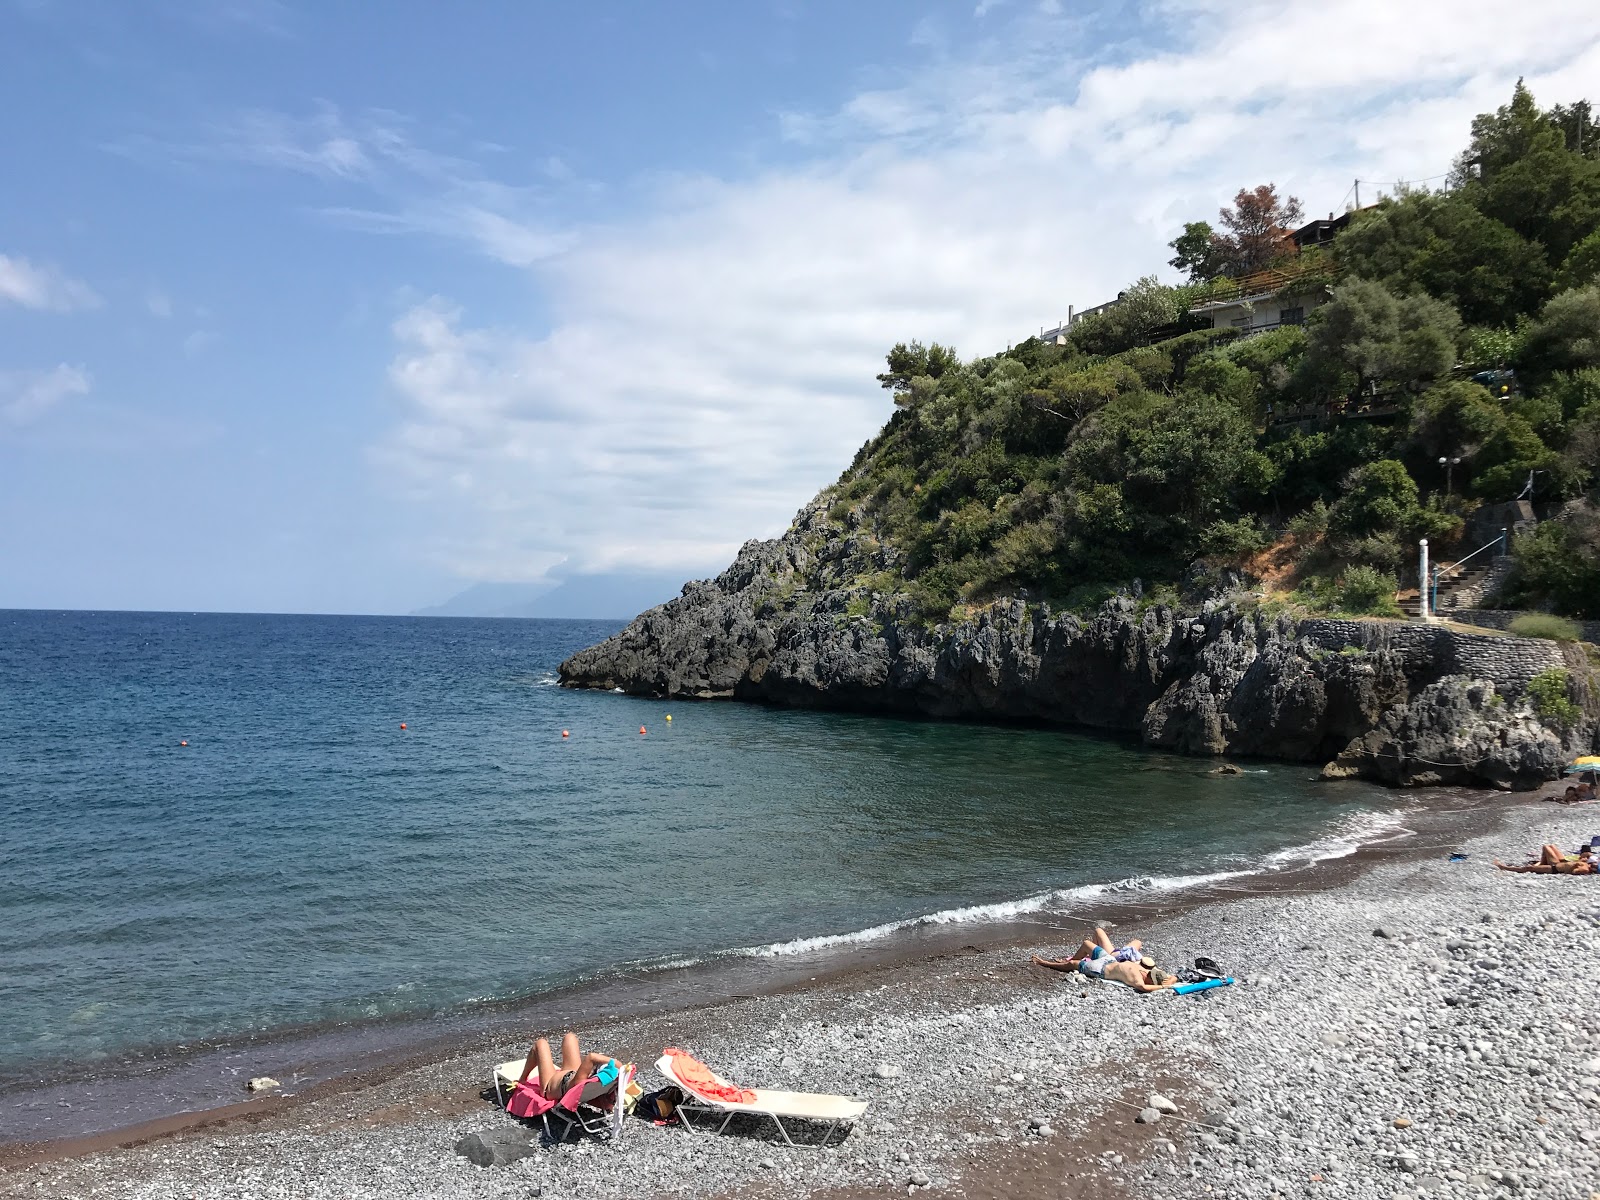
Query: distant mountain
[600, 596]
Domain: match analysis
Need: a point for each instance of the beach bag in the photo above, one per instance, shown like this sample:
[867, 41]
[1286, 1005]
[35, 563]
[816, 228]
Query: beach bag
[1203, 969]
[660, 1104]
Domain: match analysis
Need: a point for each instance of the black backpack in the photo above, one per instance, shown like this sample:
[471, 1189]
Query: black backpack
[660, 1104]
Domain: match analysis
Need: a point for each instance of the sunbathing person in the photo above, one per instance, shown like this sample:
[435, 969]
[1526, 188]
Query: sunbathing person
[1092, 948]
[1570, 796]
[1553, 862]
[1099, 959]
[576, 1066]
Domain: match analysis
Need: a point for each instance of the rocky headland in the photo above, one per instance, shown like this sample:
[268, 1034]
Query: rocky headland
[796, 621]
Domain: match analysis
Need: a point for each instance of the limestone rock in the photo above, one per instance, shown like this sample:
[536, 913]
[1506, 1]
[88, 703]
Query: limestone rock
[1459, 731]
[496, 1147]
[262, 1083]
[795, 621]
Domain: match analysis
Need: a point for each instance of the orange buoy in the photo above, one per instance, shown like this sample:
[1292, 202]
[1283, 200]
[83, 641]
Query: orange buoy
[564, 733]
[183, 743]
[641, 729]
[402, 724]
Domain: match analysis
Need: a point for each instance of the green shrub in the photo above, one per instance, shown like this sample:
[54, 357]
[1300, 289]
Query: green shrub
[1234, 538]
[1548, 692]
[1366, 591]
[1544, 625]
[1558, 565]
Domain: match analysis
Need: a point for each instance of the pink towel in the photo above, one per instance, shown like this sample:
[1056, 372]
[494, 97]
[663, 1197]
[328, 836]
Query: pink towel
[528, 1100]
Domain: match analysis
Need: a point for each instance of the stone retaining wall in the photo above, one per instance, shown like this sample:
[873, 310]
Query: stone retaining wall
[1431, 650]
[1501, 618]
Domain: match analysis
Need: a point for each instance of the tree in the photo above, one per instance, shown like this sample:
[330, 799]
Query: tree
[1454, 419]
[1442, 245]
[1559, 564]
[1567, 335]
[1143, 306]
[907, 364]
[1522, 170]
[1197, 253]
[1500, 138]
[1258, 225]
[1576, 122]
[1378, 498]
[1583, 264]
[1366, 335]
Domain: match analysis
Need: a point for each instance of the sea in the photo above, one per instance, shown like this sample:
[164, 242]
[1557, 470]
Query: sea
[217, 830]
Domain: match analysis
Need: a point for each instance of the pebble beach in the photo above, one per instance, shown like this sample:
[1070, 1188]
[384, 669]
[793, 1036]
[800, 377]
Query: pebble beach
[1419, 1028]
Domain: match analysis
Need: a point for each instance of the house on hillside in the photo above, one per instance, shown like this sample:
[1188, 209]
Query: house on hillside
[1253, 303]
[1058, 335]
[1320, 232]
[1265, 300]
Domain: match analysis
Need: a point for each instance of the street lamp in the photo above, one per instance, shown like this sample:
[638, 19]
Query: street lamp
[1449, 465]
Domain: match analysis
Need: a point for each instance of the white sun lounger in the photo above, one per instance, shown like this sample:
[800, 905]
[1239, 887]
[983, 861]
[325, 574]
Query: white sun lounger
[797, 1106]
[592, 1118]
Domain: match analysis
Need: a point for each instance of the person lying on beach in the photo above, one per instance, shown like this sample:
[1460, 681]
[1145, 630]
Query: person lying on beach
[1091, 949]
[1570, 796]
[576, 1066]
[1098, 958]
[1553, 862]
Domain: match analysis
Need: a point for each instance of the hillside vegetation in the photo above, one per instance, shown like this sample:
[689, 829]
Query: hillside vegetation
[1148, 449]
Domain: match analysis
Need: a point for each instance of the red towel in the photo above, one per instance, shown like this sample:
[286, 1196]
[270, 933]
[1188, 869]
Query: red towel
[698, 1077]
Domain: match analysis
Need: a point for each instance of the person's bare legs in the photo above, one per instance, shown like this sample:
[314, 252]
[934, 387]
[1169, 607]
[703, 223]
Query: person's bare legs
[1104, 939]
[1540, 868]
[1070, 963]
[538, 1060]
[1551, 854]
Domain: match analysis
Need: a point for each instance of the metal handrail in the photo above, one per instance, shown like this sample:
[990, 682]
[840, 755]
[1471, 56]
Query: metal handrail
[1439, 571]
[1499, 541]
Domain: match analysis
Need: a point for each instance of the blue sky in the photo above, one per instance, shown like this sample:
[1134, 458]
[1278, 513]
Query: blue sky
[302, 309]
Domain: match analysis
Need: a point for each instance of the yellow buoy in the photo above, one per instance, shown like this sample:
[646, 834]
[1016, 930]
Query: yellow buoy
[669, 717]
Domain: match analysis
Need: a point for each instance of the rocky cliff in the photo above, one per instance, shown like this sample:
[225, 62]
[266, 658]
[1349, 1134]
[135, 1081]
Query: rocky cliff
[795, 621]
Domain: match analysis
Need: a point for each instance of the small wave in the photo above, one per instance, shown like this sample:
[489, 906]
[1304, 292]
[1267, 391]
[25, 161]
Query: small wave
[999, 911]
[1363, 830]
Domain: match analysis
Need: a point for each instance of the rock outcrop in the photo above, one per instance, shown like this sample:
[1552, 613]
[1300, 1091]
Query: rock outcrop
[791, 622]
[1457, 730]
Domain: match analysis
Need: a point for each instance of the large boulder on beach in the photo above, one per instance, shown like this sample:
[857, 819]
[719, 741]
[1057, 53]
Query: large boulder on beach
[1458, 731]
[498, 1146]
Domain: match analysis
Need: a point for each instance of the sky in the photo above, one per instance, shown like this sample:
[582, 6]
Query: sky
[320, 307]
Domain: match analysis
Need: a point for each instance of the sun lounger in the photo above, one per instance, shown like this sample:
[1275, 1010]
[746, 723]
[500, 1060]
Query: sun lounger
[596, 1109]
[796, 1106]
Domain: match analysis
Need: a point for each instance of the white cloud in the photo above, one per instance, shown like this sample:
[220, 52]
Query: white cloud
[376, 157]
[26, 396]
[43, 287]
[709, 364]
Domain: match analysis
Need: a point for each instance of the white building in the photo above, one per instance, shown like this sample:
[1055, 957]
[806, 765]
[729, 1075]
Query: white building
[1265, 301]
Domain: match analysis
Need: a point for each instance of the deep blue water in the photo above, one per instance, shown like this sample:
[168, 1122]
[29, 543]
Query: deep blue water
[305, 859]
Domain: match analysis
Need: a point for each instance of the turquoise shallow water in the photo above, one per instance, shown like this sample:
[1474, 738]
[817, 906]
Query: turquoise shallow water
[305, 860]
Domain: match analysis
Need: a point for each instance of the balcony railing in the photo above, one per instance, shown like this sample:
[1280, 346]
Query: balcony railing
[1221, 292]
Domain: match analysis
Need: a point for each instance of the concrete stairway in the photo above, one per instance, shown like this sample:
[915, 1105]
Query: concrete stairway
[1463, 589]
